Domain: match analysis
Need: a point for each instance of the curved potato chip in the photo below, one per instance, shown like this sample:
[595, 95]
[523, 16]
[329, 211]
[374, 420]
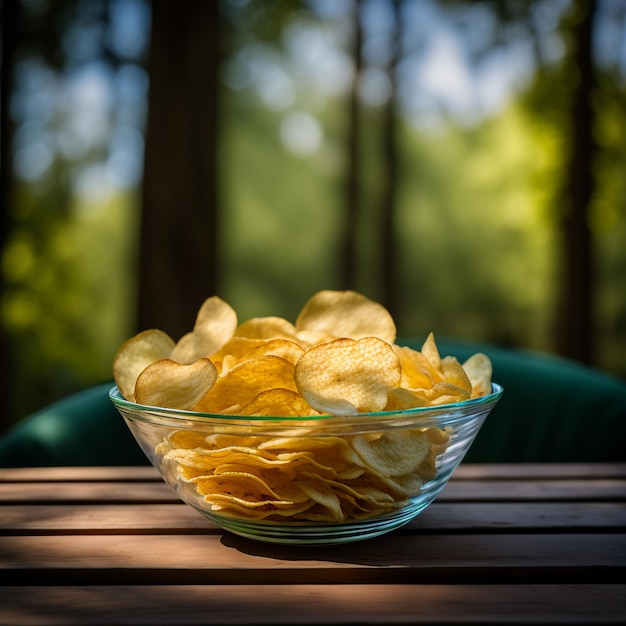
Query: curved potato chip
[479, 371]
[431, 352]
[283, 348]
[417, 371]
[235, 347]
[348, 376]
[269, 327]
[401, 399]
[250, 487]
[277, 402]
[442, 393]
[215, 324]
[322, 493]
[247, 379]
[173, 385]
[454, 373]
[392, 453]
[136, 354]
[308, 338]
[346, 314]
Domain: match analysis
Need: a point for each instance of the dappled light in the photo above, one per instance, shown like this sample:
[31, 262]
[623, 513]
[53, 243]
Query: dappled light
[456, 122]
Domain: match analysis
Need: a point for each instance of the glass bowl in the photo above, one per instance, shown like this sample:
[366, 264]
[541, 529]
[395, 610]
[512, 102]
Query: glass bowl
[308, 481]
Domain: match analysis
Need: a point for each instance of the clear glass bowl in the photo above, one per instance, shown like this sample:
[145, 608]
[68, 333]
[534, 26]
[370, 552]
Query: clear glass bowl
[314, 481]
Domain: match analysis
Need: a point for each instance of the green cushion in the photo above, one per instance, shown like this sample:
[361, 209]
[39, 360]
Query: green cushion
[552, 409]
[82, 429]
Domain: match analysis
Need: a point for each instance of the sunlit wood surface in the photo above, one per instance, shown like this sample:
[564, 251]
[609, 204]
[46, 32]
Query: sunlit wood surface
[523, 544]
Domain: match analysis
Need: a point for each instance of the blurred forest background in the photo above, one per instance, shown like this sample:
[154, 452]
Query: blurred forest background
[461, 162]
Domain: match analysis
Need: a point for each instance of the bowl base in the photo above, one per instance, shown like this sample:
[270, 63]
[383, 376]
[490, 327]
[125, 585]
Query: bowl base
[316, 534]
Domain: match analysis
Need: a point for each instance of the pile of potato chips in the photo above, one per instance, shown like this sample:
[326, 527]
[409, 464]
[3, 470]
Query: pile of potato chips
[338, 359]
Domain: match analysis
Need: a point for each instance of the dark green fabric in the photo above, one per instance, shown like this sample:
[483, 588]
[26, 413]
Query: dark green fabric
[83, 429]
[551, 410]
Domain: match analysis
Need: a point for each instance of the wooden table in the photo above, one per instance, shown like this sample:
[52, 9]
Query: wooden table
[502, 544]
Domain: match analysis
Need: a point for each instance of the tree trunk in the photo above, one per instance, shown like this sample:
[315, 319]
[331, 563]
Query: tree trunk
[8, 21]
[390, 177]
[352, 179]
[178, 251]
[574, 333]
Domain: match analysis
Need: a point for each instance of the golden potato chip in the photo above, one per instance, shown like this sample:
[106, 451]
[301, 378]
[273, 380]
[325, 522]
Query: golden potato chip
[308, 338]
[188, 439]
[346, 314]
[438, 437]
[348, 376]
[364, 492]
[417, 372]
[278, 402]
[442, 393]
[223, 506]
[174, 385]
[283, 348]
[400, 399]
[208, 460]
[479, 371]
[270, 327]
[431, 352]
[249, 487]
[247, 379]
[136, 354]
[235, 347]
[392, 453]
[428, 469]
[322, 493]
[454, 373]
[215, 324]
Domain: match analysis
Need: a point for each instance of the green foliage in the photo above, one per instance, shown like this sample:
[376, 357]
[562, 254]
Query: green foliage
[69, 297]
[476, 230]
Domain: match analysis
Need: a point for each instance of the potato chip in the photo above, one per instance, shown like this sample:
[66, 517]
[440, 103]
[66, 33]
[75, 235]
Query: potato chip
[322, 493]
[247, 486]
[417, 371]
[188, 439]
[173, 385]
[400, 399]
[269, 327]
[346, 314]
[283, 348]
[431, 353]
[392, 453]
[348, 376]
[454, 373]
[215, 324]
[136, 354]
[308, 338]
[442, 393]
[479, 371]
[233, 509]
[278, 402]
[235, 347]
[247, 379]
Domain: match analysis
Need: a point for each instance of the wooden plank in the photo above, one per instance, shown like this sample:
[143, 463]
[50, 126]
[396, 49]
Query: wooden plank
[539, 471]
[314, 604]
[597, 489]
[456, 491]
[43, 492]
[440, 516]
[90, 473]
[399, 557]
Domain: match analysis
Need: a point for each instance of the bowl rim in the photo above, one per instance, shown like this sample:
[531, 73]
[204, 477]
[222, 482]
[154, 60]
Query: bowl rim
[467, 406]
